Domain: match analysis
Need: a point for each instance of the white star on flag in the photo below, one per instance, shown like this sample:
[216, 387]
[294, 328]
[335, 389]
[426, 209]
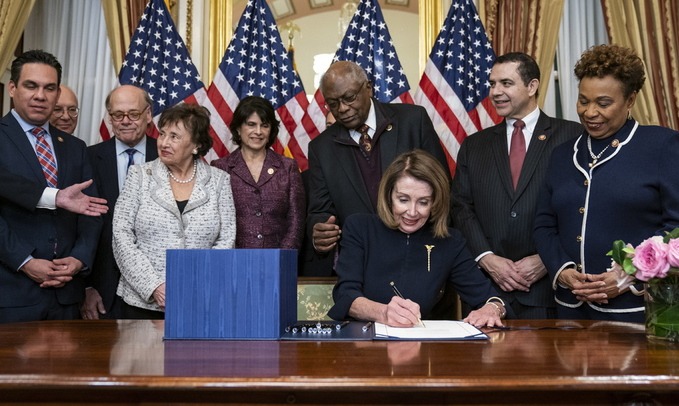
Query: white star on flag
[368, 43]
[256, 64]
[454, 87]
[158, 61]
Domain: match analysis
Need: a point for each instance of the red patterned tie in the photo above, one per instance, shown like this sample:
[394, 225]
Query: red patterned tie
[364, 142]
[517, 151]
[45, 157]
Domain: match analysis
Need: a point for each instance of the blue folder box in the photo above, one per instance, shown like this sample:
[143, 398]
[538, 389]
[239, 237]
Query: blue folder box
[231, 294]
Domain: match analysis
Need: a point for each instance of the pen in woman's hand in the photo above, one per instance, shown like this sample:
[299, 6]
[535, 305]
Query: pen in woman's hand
[398, 293]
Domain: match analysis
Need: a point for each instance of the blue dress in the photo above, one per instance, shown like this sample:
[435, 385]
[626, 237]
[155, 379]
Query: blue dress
[630, 194]
[374, 255]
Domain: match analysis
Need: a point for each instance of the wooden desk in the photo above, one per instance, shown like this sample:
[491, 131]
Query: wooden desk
[127, 362]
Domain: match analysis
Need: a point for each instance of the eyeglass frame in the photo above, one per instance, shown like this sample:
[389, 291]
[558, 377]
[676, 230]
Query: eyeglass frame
[67, 110]
[332, 104]
[127, 114]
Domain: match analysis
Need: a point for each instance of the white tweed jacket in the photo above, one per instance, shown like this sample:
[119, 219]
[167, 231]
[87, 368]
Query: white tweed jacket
[147, 222]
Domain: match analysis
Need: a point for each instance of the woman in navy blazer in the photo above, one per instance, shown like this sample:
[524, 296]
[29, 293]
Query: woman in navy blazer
[267, 187]
[617, 181]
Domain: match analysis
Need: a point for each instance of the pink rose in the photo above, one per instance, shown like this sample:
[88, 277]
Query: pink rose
[650, 259]
[673, 252]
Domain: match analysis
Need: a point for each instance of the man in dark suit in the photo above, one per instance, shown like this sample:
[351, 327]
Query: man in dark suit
[343, 176]
[494, 196]
[130, 114]
[45, 253]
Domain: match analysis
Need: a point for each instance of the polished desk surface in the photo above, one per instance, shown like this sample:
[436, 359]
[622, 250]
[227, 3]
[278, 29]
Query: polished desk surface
[537, 362]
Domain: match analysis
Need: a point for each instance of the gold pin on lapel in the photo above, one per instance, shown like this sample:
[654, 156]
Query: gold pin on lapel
[429, 248]
[542, 137]
[389, 127]
[270, 171]
[60, 139]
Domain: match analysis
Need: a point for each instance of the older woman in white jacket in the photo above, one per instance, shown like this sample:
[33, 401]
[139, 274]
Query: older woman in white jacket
[176, 201]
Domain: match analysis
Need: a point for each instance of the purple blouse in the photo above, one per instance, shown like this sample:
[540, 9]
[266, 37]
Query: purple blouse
[270, 213]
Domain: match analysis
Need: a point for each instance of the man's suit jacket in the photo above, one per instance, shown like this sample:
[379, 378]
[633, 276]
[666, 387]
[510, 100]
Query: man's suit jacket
[105, 275]
[44, 234]
[336, 186]
[486, 208]
[20, 190]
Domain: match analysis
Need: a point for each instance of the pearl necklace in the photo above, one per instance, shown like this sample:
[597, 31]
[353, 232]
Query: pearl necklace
[595, 158]
[193, 175]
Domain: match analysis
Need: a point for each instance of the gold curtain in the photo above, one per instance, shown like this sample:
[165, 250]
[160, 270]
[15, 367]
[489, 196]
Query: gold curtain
[431, 18]
[13, 17]
[529, 26]
[650, 28]
[117, 28]
[221, 30]
[122, 18]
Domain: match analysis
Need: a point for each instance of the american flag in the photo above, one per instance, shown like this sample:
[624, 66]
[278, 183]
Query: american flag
[454, 87]
[368, 43]
[158, 61]
[256, 64]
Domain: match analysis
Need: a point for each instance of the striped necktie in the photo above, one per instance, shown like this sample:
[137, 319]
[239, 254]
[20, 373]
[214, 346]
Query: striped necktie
[45, 157]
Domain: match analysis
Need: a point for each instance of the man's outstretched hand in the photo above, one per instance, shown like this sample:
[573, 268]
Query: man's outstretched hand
[73, 199]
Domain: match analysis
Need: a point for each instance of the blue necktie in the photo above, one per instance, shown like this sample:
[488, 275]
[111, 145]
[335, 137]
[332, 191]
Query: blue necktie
[130, 153]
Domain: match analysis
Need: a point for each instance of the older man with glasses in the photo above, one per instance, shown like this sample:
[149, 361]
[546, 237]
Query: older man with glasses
[346, 161]
[130, 113]
[65, 114]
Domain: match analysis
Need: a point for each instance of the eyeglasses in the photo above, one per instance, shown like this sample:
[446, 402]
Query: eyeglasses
[133, 115]
[71, 111]
[346, 100]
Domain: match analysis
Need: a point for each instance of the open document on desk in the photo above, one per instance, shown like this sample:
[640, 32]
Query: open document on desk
[443, 330]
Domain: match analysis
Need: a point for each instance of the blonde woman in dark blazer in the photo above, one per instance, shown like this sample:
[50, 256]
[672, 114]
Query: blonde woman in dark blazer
[176, 201]
[267, 187]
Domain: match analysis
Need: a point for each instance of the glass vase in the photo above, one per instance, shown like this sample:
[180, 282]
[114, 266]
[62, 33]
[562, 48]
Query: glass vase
[662, 307]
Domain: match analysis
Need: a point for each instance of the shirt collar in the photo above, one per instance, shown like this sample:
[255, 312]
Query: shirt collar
[27, 127]
[121, 147]
[531, 120]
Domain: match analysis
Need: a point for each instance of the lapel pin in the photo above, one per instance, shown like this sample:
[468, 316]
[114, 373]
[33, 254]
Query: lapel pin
[270, 171]
[389, 127]
[542, 137]
[60, 139]
[615, 143]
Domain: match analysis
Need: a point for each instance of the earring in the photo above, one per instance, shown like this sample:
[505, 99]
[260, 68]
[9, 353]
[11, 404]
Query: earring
[195, 151]
[629, 114]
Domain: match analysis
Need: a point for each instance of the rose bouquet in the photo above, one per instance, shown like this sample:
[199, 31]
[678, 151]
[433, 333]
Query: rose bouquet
[655, 261]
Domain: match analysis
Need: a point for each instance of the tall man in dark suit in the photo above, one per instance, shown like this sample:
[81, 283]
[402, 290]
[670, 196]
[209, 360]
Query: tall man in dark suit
[44, 254]
[494, 196]
[130, 114]
[343, 176]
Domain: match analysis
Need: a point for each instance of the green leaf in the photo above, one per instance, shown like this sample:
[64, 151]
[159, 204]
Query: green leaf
[617, 252]
[671, 235]
[628, 267]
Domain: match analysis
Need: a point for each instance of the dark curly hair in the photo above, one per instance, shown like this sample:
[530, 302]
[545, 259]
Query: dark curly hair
[196, 120]
[620, 62]
[265, 111]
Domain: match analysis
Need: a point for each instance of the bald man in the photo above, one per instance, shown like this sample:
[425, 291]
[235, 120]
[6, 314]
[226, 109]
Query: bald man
[65, 114]
[110, 160]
